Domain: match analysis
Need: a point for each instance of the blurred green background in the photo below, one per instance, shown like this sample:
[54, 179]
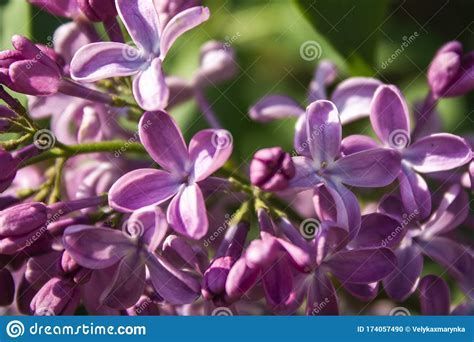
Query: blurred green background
[359, 36]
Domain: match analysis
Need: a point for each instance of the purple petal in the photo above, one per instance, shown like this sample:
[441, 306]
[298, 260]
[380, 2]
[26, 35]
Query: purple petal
[305, 175]
[326, 73]
[415, 194]
[273, 107]
[152, 225]
[127, 284]
[357, 143]
[364, 292]
[172, 285]
[187, 213]
[301, 141]
[164, 141]
[141, 188]
[277, 280]
[96, 248]
[362, 266]
[376, 167]
[142, 23]
[402, 282]
[353, 97]
[389, 115]
[438, 152]
[181, 23]
[149, 87]
[323, 129]
[322, 297]
[209, 150]
[41, 107]
[455, 257]
[63, 8]
[241, 278]
[451, 212]
[178, 251]
[392, 205]
[68, 39]
[435, 298]
[98, 61]
[35, 78]
[379, 230]
[324, 203]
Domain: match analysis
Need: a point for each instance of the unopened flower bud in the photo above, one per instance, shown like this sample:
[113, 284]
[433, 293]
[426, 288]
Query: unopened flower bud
[97, 10]
[271, 169]
[217, 63]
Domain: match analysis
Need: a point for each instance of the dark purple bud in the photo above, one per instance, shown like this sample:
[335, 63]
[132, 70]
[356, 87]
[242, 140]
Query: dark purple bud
[8, 167]
[5, 113]
[63, 8]
[97, 10]
[68, 264]
[451, 73]
[229, 252]
[217, 64]
[29, 69]
[57, 297]
[271, 169]
[7, 287]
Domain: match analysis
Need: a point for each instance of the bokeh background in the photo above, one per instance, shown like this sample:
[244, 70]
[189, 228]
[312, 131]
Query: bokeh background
[361, 37]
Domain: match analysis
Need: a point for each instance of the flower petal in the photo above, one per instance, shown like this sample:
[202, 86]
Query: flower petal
[402, 282]
[181, 23]
[326, 73]
[305, 175]
[435, 298]
[415, 194]
[141, 188]
[164, 141]
[277, 280]
[364, 292]
[379, 230]
[141, 20]
[187, 213]
[149, 87]
[152, 225]
[376, 167]
[172, 285]
[241, 278]
[389, 114]
[438, 152]
[323, 128]
[96, 248]
[274, 107]
[127, 285]
[362, 266]
[97, 61]
[353, 97]
[322, 296]
[209, 150]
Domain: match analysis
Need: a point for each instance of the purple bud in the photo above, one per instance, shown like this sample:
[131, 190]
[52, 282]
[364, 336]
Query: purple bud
[7, 287]
[229, 252]
[57, 297]
[271, 169]
[35, 272]
[29, 69]
[8, 167]
[451, 73]
[217, 63]
[63, 8]
[5, 113]
[97, 10]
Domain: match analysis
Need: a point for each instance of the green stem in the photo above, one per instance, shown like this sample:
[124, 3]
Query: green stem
[56, 191]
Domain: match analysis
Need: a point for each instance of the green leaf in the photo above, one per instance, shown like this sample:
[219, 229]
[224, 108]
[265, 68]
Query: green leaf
[352, 27]
[14, 19]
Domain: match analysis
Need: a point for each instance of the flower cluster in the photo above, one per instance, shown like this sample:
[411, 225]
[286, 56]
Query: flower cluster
[110, 210]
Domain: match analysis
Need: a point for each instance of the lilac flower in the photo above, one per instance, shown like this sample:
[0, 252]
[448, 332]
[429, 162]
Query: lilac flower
[59, 296]
[183, 168]
[437, 152]
[271, 169]
[451, 73]
[429, 238]
[435, 297]
[352, 97]
[324, 172]
[98, 61]
[128, 255]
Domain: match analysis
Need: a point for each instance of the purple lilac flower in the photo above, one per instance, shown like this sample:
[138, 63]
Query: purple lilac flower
[435, 297]
[183, 169]
[437, 152]
[325, 171]
[128, 255]
[429, 237]
[102, 60]
[451, 72]
[271, 169]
